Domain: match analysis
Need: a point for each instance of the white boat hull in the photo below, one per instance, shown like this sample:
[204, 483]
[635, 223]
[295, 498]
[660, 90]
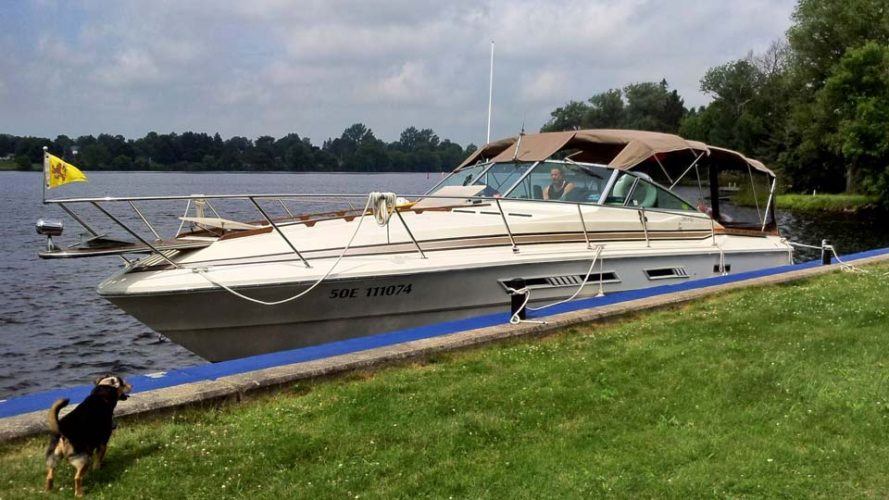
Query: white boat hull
[217, 325]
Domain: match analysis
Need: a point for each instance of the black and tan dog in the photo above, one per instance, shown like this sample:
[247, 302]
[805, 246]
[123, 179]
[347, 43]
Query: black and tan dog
[85, 431]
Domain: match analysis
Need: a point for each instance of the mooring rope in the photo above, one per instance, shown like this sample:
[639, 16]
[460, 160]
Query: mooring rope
[515, 319]
[375, 200]
[383, 206]
[844, 266]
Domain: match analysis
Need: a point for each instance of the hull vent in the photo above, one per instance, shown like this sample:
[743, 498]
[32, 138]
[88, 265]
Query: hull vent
[666, 273]
[573, 280]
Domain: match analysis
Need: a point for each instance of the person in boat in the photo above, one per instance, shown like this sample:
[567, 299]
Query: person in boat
[559, 187]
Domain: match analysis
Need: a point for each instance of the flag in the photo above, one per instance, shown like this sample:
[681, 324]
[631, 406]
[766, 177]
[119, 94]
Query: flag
[57, 171]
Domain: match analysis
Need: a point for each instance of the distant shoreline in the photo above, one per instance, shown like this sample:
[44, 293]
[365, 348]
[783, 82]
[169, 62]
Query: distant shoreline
[36, 169]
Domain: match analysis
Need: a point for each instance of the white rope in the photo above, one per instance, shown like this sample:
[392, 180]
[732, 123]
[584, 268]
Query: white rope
[844, 266]
[373, 200]
[383, 206]
[802, 245]
[514, 319]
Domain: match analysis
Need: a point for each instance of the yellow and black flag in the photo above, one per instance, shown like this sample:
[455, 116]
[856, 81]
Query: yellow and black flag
[57, 172]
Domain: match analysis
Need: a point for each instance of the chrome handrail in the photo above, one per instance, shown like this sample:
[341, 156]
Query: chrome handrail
[86, 226]
[515, 248]
[150, 227]
[135, 234]
[586, 236]
[344, 196]
[765, 215]
[278, 229]
[644, 221]
[184, 215]
[285, 207]
[255, 198]
[78, 219]
[409, 233]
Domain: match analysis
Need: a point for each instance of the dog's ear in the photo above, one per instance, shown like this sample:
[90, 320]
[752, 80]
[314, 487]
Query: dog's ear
[109, 380]
[123, 391]
[100, 378]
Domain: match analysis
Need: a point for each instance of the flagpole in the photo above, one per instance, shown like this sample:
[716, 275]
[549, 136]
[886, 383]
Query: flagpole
[43, 179]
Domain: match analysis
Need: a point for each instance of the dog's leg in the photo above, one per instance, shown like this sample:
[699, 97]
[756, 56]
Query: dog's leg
[53, 455]
[100, 455]
[50, 469]
[81, 464]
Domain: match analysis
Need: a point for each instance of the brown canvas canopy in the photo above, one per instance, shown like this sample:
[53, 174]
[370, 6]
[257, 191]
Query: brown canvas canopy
[620, 149]
[727, 157]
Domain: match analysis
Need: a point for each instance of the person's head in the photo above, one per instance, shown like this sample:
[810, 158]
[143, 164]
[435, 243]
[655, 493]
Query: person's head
[557, 176]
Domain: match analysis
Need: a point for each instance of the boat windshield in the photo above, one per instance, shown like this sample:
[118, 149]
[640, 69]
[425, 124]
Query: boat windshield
[501, 176]
[637, 191]
[463, 177]
[563, 181]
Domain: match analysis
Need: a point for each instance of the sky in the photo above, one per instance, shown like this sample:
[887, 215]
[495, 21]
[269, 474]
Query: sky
[272, 67]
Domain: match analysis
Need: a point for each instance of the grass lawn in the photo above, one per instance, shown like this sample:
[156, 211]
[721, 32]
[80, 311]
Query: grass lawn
[825, 202]
[12, 165]
[8, 165]
[766, 392]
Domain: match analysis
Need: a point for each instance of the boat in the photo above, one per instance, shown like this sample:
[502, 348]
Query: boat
[550, 216]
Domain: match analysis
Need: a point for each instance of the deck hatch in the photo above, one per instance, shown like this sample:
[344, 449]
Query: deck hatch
[155, 259]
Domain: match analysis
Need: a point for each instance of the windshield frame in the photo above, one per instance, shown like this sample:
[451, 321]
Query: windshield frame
[606, 190]
[509, 189]
[487, 164]
[608, 182]
[642, 177]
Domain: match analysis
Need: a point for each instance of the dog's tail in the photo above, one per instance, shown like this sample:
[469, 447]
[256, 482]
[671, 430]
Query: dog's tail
[54, 415]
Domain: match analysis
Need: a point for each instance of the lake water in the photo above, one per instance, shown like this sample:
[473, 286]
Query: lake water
[55, 331]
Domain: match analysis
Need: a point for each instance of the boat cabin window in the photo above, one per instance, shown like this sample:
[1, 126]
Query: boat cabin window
[621, 189]
[633, 191]
[744, 198]
[563, 181]
[463, 177]
[501, 176]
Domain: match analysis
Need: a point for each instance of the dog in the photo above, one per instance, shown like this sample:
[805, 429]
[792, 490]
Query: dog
[85, 431]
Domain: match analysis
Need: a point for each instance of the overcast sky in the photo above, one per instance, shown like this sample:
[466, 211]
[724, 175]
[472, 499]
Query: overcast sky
[270, 67]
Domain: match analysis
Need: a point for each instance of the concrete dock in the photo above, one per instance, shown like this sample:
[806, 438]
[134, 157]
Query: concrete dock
[25, 416]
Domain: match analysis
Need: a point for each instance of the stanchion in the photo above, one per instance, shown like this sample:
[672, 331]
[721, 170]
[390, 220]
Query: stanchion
[517, 300]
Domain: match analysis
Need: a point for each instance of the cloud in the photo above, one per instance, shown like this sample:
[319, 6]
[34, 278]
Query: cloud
[314, 67]
[545, 85]
[129, 67]
[412, 83]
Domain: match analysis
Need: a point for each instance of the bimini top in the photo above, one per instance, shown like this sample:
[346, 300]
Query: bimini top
[620, 149]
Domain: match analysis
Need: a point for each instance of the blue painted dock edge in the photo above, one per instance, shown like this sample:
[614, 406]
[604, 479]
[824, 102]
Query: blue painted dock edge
[141, 383]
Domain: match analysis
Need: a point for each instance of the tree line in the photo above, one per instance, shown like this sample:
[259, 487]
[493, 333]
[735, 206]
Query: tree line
[815, 105]
[356, 150]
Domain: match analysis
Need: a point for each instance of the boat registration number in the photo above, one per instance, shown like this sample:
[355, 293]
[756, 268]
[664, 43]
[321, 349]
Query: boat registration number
[371, 291]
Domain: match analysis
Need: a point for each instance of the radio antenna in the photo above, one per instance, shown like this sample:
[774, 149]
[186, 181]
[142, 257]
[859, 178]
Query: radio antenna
[490, 93]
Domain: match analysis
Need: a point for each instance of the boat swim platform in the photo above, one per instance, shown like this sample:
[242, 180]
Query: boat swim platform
[26, 415]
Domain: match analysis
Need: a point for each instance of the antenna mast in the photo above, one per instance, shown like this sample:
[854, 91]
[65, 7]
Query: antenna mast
[490, 93]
